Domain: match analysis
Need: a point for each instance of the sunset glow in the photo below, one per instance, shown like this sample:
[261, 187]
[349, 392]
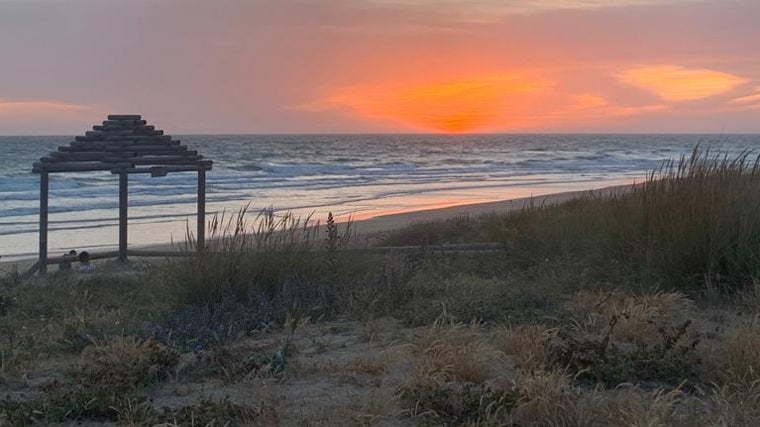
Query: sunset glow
[452, 107]
[384, 66]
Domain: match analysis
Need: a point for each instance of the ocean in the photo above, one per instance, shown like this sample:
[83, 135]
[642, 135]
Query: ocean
[358, 175]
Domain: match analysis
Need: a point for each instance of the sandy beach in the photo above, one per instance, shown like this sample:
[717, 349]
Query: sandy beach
[385, 223]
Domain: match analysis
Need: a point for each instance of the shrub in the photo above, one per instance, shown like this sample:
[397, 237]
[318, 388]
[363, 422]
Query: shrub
[125, 363]
[670, 359]
[107, 383]
[449, 382]
[638, 318]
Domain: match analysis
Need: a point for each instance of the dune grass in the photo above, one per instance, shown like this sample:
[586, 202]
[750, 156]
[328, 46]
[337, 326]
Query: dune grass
[692, 223]
[636, 308]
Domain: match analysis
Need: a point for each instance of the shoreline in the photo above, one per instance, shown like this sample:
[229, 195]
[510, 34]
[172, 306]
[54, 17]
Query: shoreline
[387, 222]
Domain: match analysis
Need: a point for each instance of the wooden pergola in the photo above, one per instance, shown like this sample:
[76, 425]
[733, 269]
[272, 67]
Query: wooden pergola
[124, 144]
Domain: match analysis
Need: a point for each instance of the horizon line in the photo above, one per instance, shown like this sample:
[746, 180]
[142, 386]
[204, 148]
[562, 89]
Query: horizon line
[444, 134]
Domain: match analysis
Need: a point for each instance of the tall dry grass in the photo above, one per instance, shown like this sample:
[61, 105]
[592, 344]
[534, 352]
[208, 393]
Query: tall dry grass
[742, 350]
[245, 250]
[693, 222]
[257, 270]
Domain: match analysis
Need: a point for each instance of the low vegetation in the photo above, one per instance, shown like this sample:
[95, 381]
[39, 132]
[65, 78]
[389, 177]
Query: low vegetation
[638, 307]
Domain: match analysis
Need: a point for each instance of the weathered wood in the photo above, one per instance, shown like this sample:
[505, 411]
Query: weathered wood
[106, 157]
[76, 167]
[44, 186]
[50, 163]
[158, 171]
[148, 132]
[123, 127]
[124, 122]
[106, 137]
[123, 202]
[161, 160]
[150, 254]
[463, 247]
[130, 252]
[89, 156]
[201, 237]
[163, 170]
[122, 132]
[123, 146]
[93, 256]
[100, 134]
[124, 117]
[123, 143]
[58, 156]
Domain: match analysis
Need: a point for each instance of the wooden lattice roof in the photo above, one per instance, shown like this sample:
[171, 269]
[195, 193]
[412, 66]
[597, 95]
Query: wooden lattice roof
[123, 143]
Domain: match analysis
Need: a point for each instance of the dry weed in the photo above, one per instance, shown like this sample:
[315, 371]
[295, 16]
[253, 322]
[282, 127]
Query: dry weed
[126, 362]
[742, 351]
[546, 399]
[452, 352]
[638, 318]
[737, 404]
[631, 407]
[456, 377]
[525, 344]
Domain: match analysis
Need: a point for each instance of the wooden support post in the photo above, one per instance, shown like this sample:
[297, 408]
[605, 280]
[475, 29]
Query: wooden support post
[201, 237]
[44, 185]
[123, 202]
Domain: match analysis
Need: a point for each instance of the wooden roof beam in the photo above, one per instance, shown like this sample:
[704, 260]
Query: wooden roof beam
[124, 127]
[158, 171]
[94, 155]
[156, 160]
[122, 143]
[107, 138]
[123, 132]
[124, 122]
[91, 148]
[124, 117]
[75, 167]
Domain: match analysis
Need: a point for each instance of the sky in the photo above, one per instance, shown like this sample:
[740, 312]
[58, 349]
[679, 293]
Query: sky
[371, 66]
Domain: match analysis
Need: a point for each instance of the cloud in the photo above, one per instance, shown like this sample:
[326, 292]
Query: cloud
[675, 83]
[586, 105]
[750, 102]
[8, 107]
[489, 10]
[747, 99]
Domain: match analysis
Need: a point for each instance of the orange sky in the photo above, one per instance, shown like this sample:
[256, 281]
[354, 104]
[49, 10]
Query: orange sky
[300, 66]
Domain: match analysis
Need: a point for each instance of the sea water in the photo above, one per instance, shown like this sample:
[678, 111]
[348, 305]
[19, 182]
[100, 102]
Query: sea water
[358, 175]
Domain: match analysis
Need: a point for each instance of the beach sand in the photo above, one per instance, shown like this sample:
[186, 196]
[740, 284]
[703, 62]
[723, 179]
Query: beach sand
[384, 223]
